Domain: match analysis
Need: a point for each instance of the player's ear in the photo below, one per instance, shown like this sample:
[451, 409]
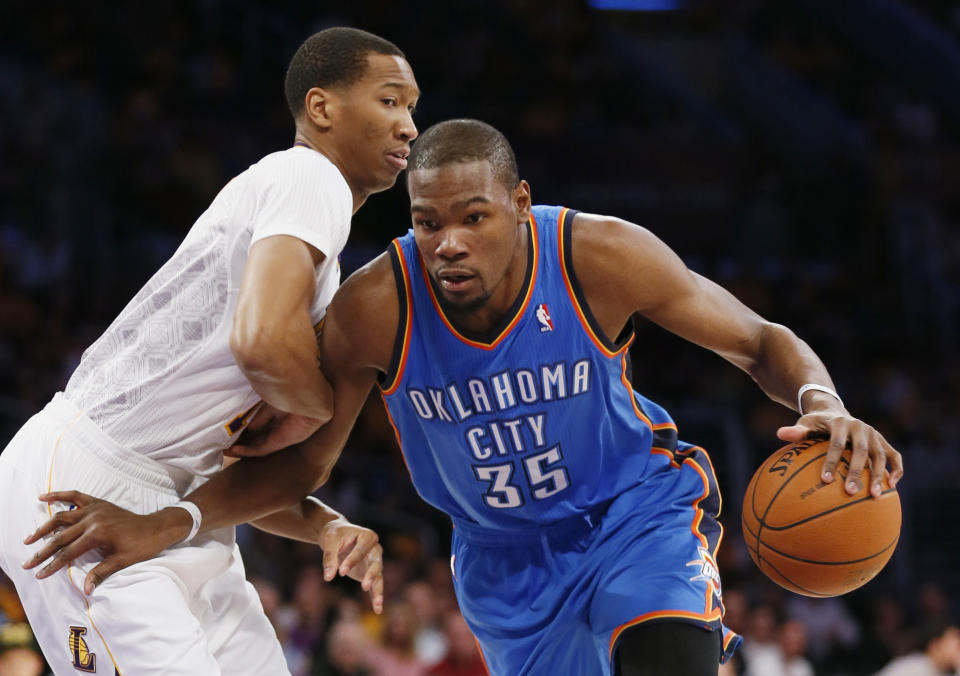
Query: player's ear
[522, 201]
[318, 106]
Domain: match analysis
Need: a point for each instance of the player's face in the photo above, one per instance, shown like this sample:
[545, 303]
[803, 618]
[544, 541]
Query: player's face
[470, 230]
[375, 124]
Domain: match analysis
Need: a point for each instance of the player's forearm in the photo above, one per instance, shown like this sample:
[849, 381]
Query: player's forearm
[281, 366]
[247, 491]
[302, 521]
[784, 364]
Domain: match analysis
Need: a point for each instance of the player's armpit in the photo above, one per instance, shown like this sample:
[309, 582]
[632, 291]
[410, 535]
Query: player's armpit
[356, 345]
[272, 337]
[625, 269]
[269, 431]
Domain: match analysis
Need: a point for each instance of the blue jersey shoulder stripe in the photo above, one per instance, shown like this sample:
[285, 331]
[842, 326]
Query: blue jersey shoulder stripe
[401, 345]
[577, 296]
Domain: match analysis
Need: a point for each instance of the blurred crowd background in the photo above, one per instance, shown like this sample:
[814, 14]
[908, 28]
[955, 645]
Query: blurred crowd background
[804, 153]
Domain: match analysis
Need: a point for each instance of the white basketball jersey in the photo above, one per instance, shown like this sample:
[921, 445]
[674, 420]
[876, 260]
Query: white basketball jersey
[162, 380]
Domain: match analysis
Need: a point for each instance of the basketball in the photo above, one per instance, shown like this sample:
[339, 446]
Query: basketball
[814, 538]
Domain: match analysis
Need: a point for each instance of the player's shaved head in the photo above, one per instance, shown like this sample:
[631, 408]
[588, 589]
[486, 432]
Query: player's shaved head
[462, 141]
[334, 56]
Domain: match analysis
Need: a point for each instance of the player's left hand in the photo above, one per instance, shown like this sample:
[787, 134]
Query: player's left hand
[121, 536]
[867, 446]
[353, 551]
[271, 430]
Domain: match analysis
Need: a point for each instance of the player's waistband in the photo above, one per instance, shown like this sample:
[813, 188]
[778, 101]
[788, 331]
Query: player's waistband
[512, 536]
[99, 447]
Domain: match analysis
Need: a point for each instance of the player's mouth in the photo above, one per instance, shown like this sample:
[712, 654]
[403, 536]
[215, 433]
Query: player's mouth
[398, 158]
[454, 280]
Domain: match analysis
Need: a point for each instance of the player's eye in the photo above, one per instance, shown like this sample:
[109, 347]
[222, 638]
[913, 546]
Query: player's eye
[475, 217]
[389, 101]
[429, 226]
[411, 109]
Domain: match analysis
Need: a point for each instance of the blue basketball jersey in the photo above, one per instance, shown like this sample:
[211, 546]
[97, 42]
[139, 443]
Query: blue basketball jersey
[532, 424]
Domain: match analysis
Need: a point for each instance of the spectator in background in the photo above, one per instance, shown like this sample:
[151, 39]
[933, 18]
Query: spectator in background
[10, 608]
[830, 627]
[303, 624]
[19, 653]
[786, 656]
[759, 645]
[736, 615]
[792, 641]
[347, 650]
[940, 642]
[463, 656]
[886, 636]
[430, 644]
[395, 656]
[932, 604]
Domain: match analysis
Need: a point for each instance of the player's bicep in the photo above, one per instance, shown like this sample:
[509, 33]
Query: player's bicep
[632, 271]
[279, 275]
[277, 288]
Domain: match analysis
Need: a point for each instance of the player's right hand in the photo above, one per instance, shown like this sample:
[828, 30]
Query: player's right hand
[356, 552]
[124, 538]
[869, 449]
[271, 430]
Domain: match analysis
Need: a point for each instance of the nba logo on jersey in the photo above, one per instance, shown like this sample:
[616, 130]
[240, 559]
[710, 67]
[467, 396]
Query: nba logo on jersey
[543, 316]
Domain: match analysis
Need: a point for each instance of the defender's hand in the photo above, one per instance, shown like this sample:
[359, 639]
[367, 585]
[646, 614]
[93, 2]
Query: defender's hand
[271, 430]
[122, 537]
[353, 551]
[867, 444]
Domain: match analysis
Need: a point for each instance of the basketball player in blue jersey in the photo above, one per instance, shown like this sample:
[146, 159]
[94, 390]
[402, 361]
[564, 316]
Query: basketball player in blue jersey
[585, 532]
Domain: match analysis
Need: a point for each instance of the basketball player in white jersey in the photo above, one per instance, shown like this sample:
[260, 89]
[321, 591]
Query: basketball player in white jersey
[226, 323]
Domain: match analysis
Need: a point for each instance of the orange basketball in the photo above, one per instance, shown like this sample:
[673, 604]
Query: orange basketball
[814, 538]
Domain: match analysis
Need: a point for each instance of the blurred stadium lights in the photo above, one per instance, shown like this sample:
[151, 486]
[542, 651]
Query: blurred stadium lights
[638, 5]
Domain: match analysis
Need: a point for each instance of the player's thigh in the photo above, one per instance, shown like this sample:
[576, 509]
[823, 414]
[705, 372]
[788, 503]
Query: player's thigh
[240, 636]
[21, 481]
[143, 618]
[668, 648]
[136, 622]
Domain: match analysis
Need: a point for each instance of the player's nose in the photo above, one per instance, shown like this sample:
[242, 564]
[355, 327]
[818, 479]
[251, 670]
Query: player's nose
[451, 245]
[406, 128]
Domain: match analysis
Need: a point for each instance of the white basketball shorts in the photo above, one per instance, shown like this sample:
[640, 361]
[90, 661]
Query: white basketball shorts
[187, 612]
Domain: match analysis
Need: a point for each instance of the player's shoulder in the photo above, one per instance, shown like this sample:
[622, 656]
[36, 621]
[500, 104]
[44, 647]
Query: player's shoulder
[296, 164]
[371, 280]
[597, 240]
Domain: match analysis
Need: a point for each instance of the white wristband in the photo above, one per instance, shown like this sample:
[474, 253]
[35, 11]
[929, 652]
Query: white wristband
[818, 388]
[194, 513]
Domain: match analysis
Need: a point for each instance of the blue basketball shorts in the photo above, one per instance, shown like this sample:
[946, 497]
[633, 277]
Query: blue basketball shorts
[556, 599]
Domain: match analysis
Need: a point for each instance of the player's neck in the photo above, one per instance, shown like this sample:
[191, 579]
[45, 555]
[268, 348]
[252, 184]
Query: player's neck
[304, 141]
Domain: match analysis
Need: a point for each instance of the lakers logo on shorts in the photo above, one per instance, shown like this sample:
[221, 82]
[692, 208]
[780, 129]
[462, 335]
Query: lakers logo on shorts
[83, 659]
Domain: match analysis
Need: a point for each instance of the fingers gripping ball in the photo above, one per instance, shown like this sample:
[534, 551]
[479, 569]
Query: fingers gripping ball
[814, 538]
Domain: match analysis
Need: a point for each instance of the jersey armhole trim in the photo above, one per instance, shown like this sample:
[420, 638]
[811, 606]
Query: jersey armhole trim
[575, 291]
[390, 380]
